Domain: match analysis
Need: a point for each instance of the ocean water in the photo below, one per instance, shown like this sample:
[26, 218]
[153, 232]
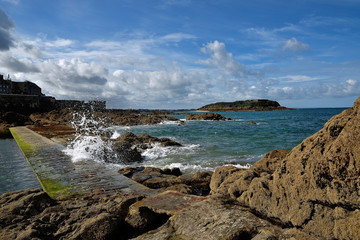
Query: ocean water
[209, 144]
[206, 144]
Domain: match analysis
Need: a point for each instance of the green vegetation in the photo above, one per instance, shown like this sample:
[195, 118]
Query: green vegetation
[24, 145]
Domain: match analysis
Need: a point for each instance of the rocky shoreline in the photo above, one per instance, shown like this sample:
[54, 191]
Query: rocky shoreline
[310, 192]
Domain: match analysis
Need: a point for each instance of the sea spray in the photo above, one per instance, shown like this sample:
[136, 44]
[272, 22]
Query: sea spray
[89, 142]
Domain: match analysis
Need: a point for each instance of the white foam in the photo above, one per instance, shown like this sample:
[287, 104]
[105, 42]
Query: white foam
[86, 148]
[156, 151]
[88, 144]
[115, 135]
[183, 167]
[246, 166]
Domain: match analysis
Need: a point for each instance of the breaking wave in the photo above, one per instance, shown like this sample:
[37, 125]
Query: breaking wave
[89, 143]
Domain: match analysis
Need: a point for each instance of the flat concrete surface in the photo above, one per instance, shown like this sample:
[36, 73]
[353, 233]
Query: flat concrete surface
[62, 178]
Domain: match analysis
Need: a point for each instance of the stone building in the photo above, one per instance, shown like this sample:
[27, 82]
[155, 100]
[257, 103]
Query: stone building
[25, 88]
[5, 87]
[26, 97]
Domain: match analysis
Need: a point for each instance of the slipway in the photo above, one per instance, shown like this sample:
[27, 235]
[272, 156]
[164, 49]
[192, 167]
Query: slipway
[60, 177]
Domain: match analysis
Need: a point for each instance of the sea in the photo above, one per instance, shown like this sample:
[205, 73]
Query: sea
[206, 145]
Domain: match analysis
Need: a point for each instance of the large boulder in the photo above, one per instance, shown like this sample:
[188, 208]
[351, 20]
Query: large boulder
[315, 187]
[125, 154]
[145, 141]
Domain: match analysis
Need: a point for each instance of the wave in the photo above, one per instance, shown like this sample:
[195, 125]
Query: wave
[157, 151]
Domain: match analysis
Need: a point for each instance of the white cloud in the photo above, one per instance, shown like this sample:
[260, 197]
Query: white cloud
[70, 79]
[60, 42]
[223, 60]
[13, 64]
[33, 50]
[177, 37]
[293, 45]
[297, 78]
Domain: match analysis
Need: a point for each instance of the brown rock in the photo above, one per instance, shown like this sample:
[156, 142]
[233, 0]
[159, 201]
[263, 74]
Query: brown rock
[15, 119]
[271, 161]
[206, 116]
[315, 187]
[170, 179]
[4, 131]
[145, 141]
[31, 214]
[212, 219]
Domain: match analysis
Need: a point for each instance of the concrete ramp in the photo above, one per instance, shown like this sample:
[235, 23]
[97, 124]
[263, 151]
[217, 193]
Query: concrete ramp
[60, 177]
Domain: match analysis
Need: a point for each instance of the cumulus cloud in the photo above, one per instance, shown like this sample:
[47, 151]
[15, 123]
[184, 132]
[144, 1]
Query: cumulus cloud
[222, 59]
[293, 45]
[17, 65]
[155, 86]
[6, 27]
[76, 78]
[33, 50]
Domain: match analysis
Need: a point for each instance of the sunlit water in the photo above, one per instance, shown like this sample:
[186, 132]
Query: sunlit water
[206, 144]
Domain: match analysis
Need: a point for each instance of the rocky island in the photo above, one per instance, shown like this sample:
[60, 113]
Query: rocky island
[248, 105]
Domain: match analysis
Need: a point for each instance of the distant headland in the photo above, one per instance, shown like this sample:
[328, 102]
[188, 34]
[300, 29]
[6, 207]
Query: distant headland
[247, 105]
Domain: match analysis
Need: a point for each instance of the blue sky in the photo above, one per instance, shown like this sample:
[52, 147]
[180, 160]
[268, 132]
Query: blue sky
[185, 54]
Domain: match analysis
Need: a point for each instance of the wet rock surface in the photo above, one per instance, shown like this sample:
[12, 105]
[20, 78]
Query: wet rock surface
[145, 141]
[128, 146]
[207, 117]
[170, 179]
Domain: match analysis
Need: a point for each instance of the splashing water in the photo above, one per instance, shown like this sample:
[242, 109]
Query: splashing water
[89, 143]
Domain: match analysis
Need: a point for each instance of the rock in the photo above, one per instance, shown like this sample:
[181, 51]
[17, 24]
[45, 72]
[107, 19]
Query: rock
[125, 154]
[31, 214]
[252, 123]
[4, 131]
[54, 117]
[170, 179]
[209, 219]
[145, 141]
[207, 117]
[107, 117]
[220, 174]
[129, 146]
[271, 161]
[15, 119]
[315, 187]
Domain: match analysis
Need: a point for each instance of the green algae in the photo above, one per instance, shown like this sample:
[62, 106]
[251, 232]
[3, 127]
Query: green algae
[24, 145]
[53, 187]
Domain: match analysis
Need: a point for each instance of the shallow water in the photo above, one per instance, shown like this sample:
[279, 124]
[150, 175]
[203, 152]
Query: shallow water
[15, 173]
